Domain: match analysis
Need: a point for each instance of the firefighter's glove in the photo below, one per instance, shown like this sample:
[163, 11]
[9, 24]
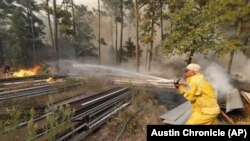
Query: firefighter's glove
[177, 83]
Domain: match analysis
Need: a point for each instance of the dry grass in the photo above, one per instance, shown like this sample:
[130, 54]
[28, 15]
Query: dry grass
[24, 105]
[144, 110]
[40, 102]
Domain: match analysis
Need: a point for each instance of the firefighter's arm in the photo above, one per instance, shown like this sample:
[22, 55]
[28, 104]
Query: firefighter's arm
[189, 92]
[182, 89]
[181, 86]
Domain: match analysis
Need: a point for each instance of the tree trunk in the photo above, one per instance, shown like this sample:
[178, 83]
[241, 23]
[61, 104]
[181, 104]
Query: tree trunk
[55, 33]
[129, 30]
[112, 36]
[73, 20]
[73, 42]
[32, 31]
[147, 54]
[137, 37]
[190, 56]
[151, 46]
[162, 34]
[151, 36]
[121, 36]
[49, 21]
[99, 31]
[238, 33]
[246, 41]
[230, 62]
[1, 53]
[245, 44]
[116, 41]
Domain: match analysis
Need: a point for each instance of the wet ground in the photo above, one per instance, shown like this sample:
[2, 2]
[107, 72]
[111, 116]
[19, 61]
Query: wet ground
[170, 98]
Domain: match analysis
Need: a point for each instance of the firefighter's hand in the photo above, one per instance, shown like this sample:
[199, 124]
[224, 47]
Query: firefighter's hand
[177, 83]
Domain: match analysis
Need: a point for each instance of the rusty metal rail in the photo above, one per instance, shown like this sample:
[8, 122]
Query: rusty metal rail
[19, 79]
[92, 111]
[73, 102]
[29, 78]
[95, 112]
[33, 91]
[10, 86]
[28, 92]
[84, 130]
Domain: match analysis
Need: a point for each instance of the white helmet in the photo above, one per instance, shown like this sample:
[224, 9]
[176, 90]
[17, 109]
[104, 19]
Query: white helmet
[194, 67]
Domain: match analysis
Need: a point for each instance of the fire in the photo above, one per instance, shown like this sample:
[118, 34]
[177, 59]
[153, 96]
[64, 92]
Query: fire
[50, 79]
[28, 72]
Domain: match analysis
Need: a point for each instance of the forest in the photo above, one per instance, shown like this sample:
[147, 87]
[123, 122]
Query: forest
[142, 32]
[108, 69]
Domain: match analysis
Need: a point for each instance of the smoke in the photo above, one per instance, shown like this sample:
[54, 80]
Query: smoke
[156, 69]
[225, 92]
[241, 66]
[171, 68]
[218, 78]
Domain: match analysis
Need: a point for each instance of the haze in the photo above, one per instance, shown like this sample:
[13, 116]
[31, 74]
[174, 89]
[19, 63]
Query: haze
[89, 3]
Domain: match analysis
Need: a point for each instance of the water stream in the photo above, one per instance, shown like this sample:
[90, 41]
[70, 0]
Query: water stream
[116, 72]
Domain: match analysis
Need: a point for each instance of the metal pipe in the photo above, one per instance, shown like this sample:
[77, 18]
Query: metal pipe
[227, 117]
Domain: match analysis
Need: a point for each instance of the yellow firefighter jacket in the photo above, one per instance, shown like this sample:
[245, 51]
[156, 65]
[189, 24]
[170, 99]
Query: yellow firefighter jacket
[203, 100]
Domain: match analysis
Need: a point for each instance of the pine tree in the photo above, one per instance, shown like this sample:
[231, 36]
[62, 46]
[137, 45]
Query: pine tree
[194, 29]
[23, 38]
[6, 8]
[85, 33]
[234, 17]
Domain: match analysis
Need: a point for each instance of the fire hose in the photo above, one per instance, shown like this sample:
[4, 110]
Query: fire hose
[162, 83]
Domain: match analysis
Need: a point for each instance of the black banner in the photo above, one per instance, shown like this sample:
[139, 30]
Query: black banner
[220, 132]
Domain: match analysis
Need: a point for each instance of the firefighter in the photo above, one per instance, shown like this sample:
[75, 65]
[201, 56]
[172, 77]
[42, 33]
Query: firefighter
[6, 70]
[200, 93]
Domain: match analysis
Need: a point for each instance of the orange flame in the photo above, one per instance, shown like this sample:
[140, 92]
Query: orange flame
[28, 72]
[50, 79]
